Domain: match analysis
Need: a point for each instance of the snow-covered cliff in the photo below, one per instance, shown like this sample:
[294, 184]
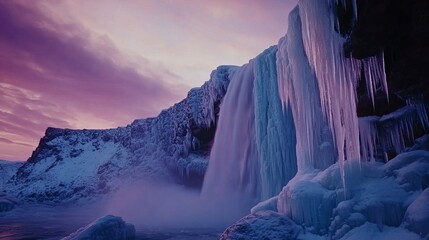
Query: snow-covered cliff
[73, 164]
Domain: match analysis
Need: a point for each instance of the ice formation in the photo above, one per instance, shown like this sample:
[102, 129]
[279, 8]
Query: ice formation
[317, 85]
[314, 126]
[391, 132]
[254, 148]
[275, 130]
[107, 227]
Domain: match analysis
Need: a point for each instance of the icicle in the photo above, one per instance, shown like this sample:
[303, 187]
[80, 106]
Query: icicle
[337, 91]
[368, 136]
[394, 130]
[375, 76]
[300, 91]
[318, 69]
[355, 9]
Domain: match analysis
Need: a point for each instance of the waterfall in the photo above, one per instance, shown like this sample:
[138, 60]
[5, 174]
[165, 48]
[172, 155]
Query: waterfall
[234, 165]
[253, 154]
[292, 109]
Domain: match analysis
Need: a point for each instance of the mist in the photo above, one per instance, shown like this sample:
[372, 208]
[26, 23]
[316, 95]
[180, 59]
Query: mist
[150, 205]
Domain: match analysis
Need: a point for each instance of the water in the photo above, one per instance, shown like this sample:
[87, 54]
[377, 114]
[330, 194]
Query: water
[47, 222]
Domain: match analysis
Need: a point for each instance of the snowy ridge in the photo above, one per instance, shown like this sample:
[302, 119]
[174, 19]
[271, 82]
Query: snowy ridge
[72, 164]
[7, 170]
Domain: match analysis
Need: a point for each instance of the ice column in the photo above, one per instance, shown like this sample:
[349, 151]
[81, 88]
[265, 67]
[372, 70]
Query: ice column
[312, 62]
[299, 90]
[275, 131]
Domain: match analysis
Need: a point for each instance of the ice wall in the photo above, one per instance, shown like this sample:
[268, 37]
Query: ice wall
[275, 131]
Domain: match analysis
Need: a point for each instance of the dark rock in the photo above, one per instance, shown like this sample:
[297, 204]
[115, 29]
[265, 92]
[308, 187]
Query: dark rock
[401, 30]
[6, 204]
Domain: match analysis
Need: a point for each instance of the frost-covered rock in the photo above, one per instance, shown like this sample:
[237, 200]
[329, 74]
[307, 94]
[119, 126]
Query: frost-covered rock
[107, 227]
[263, 225]
[417, 216]
[73, 164]
[7, 170]
[371, 231]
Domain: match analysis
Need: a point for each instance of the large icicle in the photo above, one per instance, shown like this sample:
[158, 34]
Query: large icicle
[318, 66]
[299, 89]
[335, 75]
[275, 131]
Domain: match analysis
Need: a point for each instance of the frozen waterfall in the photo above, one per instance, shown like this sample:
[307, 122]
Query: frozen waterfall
[254, 149]
[293, 109]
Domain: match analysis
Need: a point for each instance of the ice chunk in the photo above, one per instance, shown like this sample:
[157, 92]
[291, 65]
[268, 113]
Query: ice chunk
[417, 216]
[411, 170]
[267, 205]
[371, 231]
[262, 225]
[319, 201]
[107, 227]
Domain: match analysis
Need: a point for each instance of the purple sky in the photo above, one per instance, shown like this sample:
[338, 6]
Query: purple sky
[104, 63]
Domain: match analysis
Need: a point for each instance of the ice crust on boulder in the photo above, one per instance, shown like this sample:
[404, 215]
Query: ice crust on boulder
[107, 227]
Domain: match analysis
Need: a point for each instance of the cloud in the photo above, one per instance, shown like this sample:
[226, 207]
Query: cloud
[62, 75]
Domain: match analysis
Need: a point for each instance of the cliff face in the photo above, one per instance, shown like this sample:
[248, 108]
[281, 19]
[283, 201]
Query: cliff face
[71, 164]
[399, 29]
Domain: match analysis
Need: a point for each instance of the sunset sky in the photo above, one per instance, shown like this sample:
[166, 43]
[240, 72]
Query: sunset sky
[103, 63]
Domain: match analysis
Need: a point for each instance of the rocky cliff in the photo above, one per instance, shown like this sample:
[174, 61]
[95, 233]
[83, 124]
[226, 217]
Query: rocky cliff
[73, 164]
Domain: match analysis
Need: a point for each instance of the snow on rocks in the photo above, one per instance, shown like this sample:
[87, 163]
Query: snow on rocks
[107, 227]
[69, 165]
[417, 215]
[263, 225]
[371, 231]
[7, 170]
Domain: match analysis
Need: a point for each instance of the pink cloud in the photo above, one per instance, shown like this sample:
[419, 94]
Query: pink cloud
[84, 64]
[53, 75]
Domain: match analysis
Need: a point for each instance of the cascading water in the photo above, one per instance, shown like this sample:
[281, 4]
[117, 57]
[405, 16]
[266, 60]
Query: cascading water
[253, 154]
[234, 166]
